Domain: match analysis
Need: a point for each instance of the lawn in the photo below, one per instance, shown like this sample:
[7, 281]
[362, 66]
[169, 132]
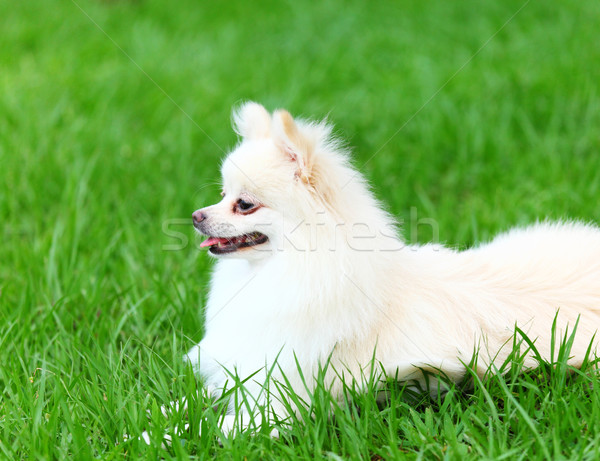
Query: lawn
[113, 118]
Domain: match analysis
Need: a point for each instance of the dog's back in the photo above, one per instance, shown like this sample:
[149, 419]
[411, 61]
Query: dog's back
[472, 300]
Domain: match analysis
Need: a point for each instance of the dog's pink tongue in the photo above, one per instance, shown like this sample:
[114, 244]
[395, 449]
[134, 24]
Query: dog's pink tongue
[213, 241]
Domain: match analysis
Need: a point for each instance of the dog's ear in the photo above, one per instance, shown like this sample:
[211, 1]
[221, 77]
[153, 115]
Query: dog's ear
[251, 121]
[293, 143]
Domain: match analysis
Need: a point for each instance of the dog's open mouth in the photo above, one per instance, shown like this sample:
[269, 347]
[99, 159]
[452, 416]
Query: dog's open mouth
[220, 245]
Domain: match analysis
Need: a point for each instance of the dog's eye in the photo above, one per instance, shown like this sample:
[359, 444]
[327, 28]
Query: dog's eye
[244, 206]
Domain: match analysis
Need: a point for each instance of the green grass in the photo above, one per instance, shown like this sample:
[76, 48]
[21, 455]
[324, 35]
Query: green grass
[95, 158]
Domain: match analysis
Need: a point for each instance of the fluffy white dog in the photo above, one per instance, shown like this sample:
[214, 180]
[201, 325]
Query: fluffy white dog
[310, 267]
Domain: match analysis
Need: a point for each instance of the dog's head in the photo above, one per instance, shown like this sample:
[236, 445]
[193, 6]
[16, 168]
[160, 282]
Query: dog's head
[273, 182]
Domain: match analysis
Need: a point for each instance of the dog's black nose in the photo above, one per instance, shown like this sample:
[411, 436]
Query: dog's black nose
[198, 216]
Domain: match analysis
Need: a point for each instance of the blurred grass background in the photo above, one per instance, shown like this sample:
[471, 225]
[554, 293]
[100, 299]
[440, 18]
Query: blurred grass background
[114, 116]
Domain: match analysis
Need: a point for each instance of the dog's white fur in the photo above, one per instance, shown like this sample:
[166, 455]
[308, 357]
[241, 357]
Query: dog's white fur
[335, 280]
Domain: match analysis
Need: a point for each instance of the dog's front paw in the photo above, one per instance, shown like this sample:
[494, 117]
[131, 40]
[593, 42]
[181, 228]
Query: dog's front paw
[145, 437]
[166, 439]
[234, 424]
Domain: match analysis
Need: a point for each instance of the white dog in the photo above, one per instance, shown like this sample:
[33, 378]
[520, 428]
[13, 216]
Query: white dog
[310, 268]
